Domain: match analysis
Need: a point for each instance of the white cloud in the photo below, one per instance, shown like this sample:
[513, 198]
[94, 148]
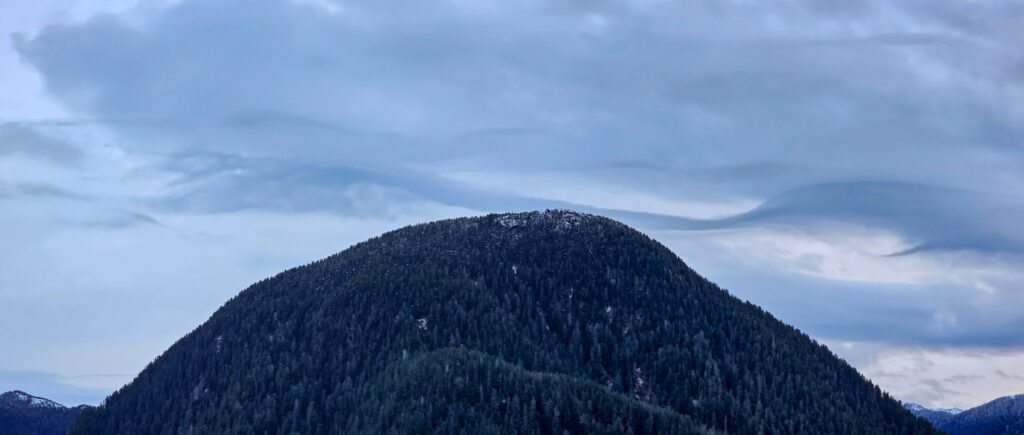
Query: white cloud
[846, 252]
[599, 190]
[939, 378]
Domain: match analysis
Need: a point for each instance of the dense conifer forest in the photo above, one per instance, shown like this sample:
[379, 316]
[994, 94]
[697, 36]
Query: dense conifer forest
[544, 322]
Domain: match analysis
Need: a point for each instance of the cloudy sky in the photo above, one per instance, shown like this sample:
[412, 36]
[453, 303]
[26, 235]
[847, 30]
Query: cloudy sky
[855, 167]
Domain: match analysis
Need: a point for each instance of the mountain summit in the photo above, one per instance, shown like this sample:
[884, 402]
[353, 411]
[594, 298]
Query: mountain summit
[24, 414]
[540, 322]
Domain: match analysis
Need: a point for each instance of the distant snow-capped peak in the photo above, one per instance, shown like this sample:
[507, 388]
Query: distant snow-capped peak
[24, 398]
[914, 407]
[918, 408]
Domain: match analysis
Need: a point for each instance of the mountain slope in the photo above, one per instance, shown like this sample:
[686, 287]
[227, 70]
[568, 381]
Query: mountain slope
[938, 417]
[556, 320]
[443, 392]
[24, 414]
[1003, 416]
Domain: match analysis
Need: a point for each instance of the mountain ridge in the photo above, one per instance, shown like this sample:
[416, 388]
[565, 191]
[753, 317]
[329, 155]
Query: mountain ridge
[23, 413]
[18, 396]
[559, 299]
[1001, 416]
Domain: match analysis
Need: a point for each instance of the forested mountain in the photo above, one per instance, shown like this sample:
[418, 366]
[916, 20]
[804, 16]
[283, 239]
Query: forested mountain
[24, 414]
[542, 322]
[1003, 416]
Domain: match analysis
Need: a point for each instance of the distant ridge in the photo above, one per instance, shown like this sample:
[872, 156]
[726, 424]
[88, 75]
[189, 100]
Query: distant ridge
[25, 414]
[1002, 416]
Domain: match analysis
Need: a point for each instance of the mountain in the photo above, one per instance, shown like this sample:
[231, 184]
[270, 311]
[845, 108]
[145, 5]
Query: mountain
[542, 322]
[938, 417]
[1003, 416]
[24, 414]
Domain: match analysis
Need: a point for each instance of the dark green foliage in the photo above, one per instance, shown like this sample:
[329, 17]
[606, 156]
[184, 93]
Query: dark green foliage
[624, 333]
[455, 390]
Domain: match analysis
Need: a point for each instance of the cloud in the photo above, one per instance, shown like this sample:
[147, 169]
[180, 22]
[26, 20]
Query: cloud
[35, 190]
[116, 219]
[17, 139]
[837, 289]
[938, 377]
[1005, 375]
[644, 96]
[854, 167]
[582, 77]
[211, 183]
[963, 379]
[931, 218]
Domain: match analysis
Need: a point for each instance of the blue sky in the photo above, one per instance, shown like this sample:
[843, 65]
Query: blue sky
[853, 167]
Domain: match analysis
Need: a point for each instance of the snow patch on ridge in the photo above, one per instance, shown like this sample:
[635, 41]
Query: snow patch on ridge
[914, 407]
[556, 219]
[511, 221]
[918, 408]
[30, 400]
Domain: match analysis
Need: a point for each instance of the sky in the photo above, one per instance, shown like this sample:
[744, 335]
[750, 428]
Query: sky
[854, 167]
